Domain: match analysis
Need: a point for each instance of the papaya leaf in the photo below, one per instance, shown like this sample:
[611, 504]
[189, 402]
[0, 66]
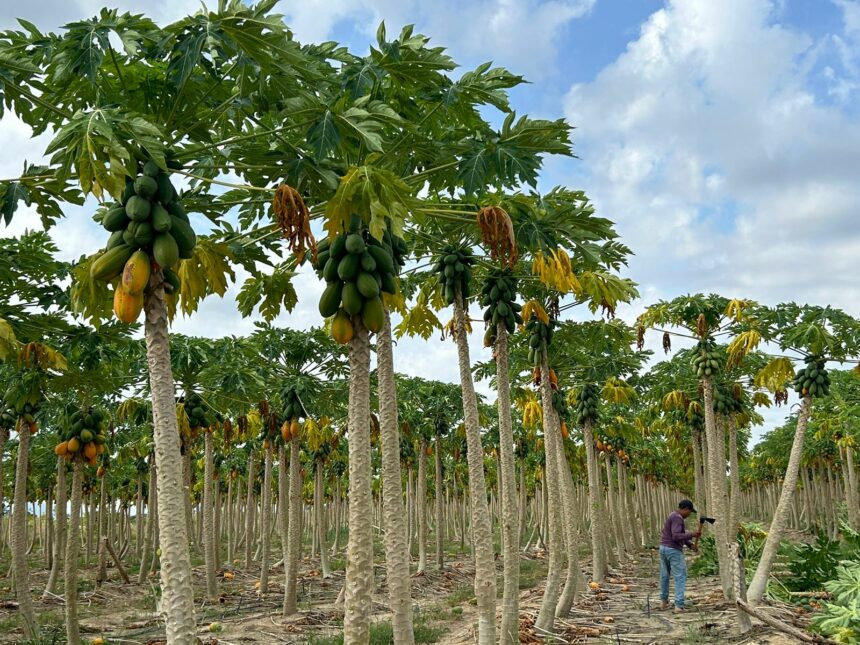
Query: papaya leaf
[89, 298]
[420, 320]
[775, 375]
[273, 293]
[8, 341]
[206, 273]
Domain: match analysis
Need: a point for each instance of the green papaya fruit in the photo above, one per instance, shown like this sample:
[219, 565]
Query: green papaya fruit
[115, 219]
[145, 186]
[165, 250]
[330, 299]
[137, 208]
[367, 285]
[372, 314]
[352, 300]
[161, 220]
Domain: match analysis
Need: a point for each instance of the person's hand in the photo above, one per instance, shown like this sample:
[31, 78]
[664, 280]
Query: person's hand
[698, 533]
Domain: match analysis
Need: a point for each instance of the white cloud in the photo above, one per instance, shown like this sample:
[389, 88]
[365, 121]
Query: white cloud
[521, 34]
[711, 107]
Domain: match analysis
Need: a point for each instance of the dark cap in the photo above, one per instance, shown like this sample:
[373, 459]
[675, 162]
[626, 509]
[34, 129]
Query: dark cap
[685, 503]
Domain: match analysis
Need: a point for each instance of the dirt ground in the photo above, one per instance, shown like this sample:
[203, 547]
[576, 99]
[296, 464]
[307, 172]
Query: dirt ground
[624, 610]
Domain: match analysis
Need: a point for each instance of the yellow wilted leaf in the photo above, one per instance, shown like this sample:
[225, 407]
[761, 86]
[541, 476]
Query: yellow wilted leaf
[255, 422]
[760, 398]
[735, 308]
[693, 408]
[674, 400]
[534, 308]
[420, 320]
[555, 271]
[8, 342]
[775, 374]
[617, 391]
[182, 419]
[741, 345]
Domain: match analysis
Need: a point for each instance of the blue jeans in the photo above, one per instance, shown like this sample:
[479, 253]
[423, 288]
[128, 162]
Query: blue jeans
[672, 560]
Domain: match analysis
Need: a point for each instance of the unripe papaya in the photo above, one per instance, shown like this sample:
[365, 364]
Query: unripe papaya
[165, 250]
[135, 275]
[110, 263]
[372, 314]
[127, 306]
[145, 186]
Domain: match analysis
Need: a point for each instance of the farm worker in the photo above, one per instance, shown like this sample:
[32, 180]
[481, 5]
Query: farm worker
[672, 542]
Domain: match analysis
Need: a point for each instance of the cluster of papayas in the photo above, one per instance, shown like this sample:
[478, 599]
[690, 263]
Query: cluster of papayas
[19, 409]
[707, 358]
[148, 225]
[725, 403]
[498, 295]
[358, 269]
[199, 416]
[540, 336]
[293, 411]
[587, 404]
[454, 268]
[559, 404]
[812, 379]
[84, 436]
[612, 446]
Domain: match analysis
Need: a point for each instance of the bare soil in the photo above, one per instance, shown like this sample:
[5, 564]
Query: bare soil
[623, 610]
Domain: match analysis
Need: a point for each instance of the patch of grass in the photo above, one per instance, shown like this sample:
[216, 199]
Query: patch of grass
[531, 574]
[460, 595]
[381, 633]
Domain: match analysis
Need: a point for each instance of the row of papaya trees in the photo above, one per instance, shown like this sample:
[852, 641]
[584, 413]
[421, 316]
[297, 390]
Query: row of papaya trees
[218, 149]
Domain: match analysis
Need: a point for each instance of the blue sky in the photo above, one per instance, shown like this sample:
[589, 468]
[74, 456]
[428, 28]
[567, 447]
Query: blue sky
[723, 137]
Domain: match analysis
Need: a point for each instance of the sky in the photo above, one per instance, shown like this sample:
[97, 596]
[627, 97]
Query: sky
[723, 138]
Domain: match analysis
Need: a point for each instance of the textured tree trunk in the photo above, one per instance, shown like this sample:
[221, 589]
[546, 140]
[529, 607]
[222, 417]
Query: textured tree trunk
[735, 481]
[574, 580]
[395, 537]
[18, 536]
[852, 495]
[101, 576]
[595, 502]
[208, 525]
[319, 511]
[554, 505]
[482, 534]
[715, 437]
[70, 568]
[186, 486]
[177, 590]
[509, 627]
[698, 483]
[230, 517]
[4, 437]
[151, 505]
[440, 535]
[283, 501]
[249, 512]
[266, 520]
[291, 566]
[422, 506]
[614, 519]
[138, 518]
[359, 560]
[60, 528]
[758, 586]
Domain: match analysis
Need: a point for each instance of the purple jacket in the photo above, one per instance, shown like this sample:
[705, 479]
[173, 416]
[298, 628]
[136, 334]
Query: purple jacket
[674, 535]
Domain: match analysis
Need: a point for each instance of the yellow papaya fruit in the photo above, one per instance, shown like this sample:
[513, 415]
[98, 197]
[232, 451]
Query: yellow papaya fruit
[341, 327]
[90, 451]
[127, 306]
[73, 445]
[61, 448]
[135, 274]
[295, 428]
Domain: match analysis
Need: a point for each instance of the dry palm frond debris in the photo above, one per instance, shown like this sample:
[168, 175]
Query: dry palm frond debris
[293, 217]
[497, 233]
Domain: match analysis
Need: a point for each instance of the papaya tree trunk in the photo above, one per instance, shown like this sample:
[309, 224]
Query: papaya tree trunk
[758, 585]
[59, 529]
[597, 515]
[208, 526]
[4, 437]
[715, 437]
[249, 512]
[18, 536]
[291, 566]
[555, 537]
[359, 560]
[138, 518]
[482, 534]
[574, 580]
[852, 495]
[395, 537]
[177, 590]
[437, 503]
[266, 520]
[283, 500]
[101, 576]
[735, 481]
[509, 627]
[422, 505]
[147, 555]
[319, 504]
[70, 567]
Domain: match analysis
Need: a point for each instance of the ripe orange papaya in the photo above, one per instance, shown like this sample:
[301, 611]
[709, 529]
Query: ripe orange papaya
[127, 306]
[295, 428]
[61, 448]
[90, 451]
[564, 432]
[73, 445]
[135, 274]
[341, 327]
[285, 432]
